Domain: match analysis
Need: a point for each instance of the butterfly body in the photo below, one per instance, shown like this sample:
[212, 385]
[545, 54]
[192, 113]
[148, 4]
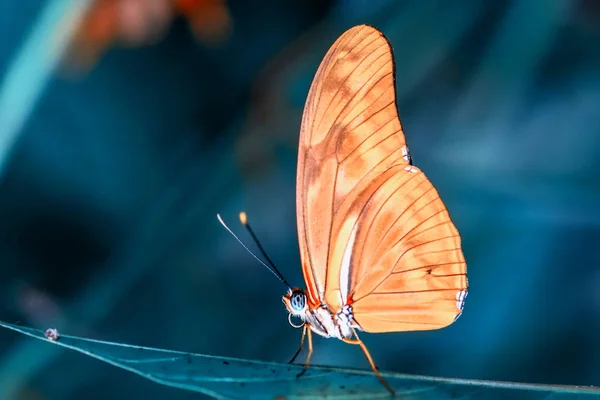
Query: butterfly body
[320, 319]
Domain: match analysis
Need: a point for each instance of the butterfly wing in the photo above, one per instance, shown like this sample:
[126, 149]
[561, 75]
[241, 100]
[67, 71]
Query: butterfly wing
[358, 197]
[350, 134]
[407, 270]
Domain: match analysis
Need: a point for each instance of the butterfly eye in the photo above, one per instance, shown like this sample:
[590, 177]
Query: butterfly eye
[298, 301]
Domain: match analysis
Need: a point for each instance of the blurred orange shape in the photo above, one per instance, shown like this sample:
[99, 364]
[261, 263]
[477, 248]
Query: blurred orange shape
[109, 23]
[209, 19]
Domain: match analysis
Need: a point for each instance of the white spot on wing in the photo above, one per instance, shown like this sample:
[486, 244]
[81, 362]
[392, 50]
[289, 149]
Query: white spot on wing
[460, 299]
[405, 154]
[411, 169]
[345, 270]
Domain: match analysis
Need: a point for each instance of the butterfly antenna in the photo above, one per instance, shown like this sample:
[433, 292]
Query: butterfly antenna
[244, 221]
[271, 266]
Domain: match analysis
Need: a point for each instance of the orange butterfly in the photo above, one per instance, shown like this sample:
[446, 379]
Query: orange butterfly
[378, 249]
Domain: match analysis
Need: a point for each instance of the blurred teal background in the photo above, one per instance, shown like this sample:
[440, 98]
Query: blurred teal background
[111, 179]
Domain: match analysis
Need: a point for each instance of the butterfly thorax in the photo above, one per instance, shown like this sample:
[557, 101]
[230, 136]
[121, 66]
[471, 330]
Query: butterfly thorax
[318, 317]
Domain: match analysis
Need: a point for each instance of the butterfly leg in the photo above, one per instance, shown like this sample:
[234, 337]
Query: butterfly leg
[301, 344]
[359, 342]
[310, 351]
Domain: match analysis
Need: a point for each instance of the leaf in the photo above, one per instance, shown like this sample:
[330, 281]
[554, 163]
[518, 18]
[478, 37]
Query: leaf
[230, 378]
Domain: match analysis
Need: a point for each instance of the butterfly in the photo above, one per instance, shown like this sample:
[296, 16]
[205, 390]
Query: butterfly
[378, 249]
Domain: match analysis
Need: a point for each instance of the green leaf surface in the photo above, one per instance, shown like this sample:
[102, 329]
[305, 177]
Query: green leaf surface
[230, 378]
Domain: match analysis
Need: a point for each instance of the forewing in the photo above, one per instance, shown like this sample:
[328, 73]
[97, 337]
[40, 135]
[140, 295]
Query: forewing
[350, 136]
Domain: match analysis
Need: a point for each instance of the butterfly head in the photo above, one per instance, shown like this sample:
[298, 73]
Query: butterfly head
[296, 303]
